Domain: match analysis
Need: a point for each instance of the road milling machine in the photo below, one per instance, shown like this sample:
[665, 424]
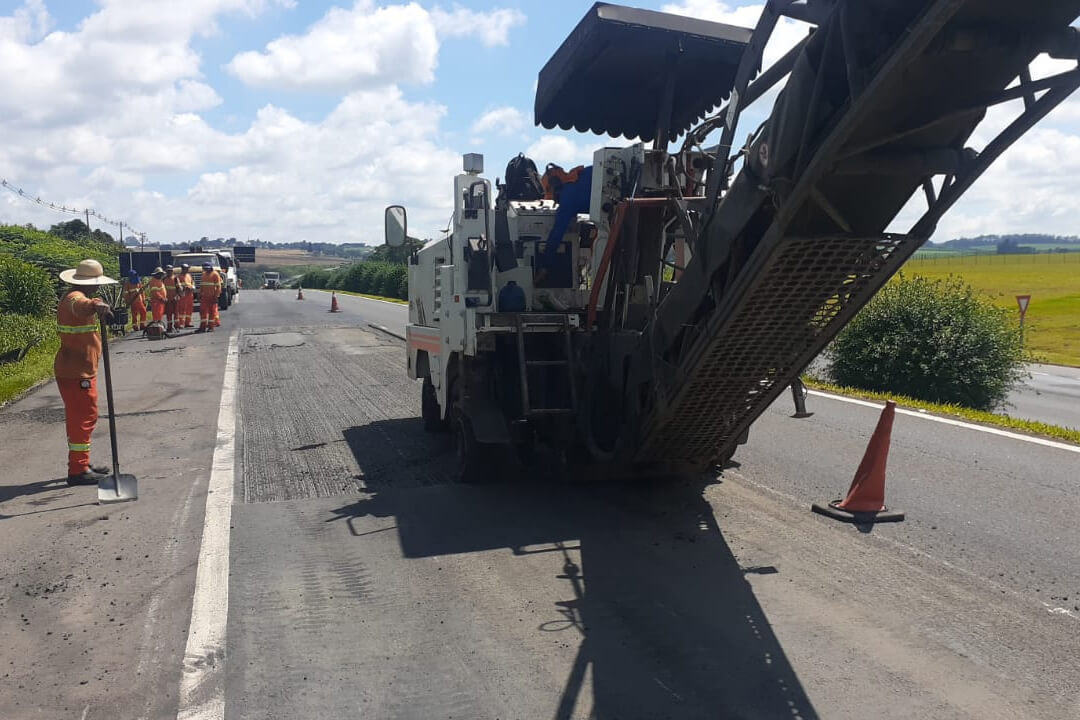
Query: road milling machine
[642, 312]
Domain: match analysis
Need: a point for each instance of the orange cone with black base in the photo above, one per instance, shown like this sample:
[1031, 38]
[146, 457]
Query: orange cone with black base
[865, 501]
[333, 302]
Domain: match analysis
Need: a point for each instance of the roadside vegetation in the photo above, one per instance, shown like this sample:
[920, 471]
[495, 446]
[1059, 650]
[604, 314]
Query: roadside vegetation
[30, 264]
[383, 279]
[934, 340]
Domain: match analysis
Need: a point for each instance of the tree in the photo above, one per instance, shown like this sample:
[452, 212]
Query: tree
[398, 255]
[71, 230]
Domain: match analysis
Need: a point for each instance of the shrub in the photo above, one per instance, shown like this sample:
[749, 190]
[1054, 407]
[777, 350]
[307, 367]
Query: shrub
[403, 287]
[25, 289]
[931, 340]
[21, 331]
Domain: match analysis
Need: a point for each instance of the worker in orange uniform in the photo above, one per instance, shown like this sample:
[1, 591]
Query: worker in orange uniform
[172, 293]
[133, 296]
[157, 293]
[186, 298]
[78, 321]
[209, 292]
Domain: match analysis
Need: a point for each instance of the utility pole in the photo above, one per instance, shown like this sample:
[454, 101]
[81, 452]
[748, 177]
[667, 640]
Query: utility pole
[87, 220]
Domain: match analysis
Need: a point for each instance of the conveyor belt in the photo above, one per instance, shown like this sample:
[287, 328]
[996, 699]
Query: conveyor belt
[884, 96]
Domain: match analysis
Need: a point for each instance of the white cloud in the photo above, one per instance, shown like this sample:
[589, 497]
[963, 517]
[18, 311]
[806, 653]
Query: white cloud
[493, 28]
[109, 115]
[501, 120]
[568, 153]
[368, 46]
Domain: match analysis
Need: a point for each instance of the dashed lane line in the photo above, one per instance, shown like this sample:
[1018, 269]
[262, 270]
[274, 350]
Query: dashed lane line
[202, 685]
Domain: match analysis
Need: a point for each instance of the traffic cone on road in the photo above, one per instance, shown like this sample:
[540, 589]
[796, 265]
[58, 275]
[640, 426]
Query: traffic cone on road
[865, 501]
[299, 293]
[333, 302]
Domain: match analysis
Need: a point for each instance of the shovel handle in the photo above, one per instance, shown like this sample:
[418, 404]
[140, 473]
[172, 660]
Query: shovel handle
[109, 399]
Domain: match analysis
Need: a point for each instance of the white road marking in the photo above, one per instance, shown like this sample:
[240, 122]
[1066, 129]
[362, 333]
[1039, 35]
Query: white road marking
[956, 423]
[202, 685]
[361, 297]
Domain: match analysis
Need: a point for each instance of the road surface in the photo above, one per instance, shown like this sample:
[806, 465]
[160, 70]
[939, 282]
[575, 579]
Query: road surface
[298, 550]
[1051, 394]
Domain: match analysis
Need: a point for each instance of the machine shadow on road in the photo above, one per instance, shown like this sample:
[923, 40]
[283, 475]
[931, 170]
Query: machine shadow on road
[667, 621]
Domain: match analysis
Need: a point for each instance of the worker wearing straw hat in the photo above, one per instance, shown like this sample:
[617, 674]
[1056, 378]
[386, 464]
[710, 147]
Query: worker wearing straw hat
[77, 319]
[158, 295]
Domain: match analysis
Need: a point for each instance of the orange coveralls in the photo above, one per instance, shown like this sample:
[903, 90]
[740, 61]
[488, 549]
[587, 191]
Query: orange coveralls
[134, 298]
[76, 366]
[209, 292]
[186, 302]
[172, 311]
[157, 298]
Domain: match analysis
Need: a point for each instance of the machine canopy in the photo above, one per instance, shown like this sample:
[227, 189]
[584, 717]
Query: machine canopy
[611, 74]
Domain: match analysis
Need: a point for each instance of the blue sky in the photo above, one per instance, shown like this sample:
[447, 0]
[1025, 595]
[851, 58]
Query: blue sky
[302, 119]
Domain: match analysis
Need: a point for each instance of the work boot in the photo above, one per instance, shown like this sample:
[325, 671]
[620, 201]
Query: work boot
[101, 469]
[87, 477]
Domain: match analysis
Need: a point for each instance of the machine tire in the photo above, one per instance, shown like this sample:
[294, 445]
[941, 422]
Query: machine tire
[223, 301]
[472, 467]
[430, 410]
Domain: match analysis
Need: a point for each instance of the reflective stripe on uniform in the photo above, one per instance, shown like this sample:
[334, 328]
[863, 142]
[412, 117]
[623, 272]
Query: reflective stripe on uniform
[76, 329]
[78, 447]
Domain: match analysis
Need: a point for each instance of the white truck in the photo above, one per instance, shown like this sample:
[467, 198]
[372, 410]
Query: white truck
[222, 262]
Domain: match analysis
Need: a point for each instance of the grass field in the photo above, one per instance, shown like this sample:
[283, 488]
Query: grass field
[1052, 325]
[287, 258]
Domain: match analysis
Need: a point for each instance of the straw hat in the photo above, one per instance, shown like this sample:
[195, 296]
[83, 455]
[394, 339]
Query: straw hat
[158, 271]
[89, 272]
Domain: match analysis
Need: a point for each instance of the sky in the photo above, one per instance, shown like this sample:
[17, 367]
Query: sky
[290, 120]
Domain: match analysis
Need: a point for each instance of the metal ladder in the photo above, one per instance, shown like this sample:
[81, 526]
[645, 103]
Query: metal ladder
[544, 323]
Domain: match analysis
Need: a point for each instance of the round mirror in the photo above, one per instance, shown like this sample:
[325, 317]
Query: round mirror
[396, 224]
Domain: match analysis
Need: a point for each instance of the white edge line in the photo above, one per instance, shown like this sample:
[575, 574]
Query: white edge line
[202, 684]
[956, 423]
[363, 297]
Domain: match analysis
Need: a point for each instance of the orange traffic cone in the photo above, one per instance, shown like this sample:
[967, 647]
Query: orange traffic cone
[333, 302]
[865, 501]
[299, 293]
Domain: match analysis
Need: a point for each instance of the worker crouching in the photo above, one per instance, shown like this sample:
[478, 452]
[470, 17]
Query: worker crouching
[209, 292]
[78, 324]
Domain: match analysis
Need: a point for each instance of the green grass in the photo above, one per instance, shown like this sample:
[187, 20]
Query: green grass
[399, 301]
[17, 378]
[1052, 325]
[978, 416]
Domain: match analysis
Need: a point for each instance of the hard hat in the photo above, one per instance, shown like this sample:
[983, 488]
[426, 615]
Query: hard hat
[133, 275]
[185, 266]
[168, 267]
[208, 264]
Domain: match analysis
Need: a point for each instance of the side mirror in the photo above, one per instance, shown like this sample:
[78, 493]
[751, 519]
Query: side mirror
[395, 225]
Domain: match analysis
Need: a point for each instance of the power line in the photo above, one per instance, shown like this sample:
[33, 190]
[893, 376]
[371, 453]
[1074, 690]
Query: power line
[69, 210]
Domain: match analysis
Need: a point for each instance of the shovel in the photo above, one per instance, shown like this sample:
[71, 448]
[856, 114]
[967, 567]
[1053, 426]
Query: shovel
[118, 488]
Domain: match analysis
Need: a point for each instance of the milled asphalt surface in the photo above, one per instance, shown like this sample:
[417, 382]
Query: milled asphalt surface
[365, 583]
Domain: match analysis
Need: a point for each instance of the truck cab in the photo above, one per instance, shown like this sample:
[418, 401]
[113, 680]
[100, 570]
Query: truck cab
[195, 258]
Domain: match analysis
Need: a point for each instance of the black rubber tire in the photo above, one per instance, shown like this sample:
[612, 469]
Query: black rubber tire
[223, 301]
[472, 467]
[430, 410]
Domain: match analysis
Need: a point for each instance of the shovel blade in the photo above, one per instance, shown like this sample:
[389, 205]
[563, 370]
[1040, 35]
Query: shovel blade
[117, 488]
